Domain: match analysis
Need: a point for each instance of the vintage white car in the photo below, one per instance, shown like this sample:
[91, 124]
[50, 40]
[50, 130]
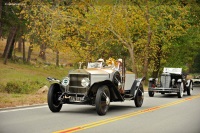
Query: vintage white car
[96, 85]
[172, 80]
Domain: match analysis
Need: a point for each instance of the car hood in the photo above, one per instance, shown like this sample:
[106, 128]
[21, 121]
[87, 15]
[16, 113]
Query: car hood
[92, 71]
[99, 71]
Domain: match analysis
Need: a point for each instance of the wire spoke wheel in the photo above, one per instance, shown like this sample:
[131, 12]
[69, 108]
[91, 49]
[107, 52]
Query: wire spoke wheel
[190, 89]
[180, 93]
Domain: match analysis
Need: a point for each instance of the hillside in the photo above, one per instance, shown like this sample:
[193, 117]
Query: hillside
[25, 73]
[30, 76]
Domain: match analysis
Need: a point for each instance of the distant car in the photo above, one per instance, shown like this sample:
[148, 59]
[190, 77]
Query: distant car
[96, 85]
[196, 80]
[172, 80]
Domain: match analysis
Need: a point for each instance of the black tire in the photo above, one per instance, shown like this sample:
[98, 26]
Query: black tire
[139, 97]
[53, 95]
[190, 89]
[151, 93]
[102, 101]
[180, 87]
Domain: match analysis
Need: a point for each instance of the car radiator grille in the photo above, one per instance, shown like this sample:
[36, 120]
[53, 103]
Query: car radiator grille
[165, 81]
[75, 83]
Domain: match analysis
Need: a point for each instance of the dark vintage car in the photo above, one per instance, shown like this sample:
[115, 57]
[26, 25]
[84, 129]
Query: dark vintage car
[95, 85]
[172, 80]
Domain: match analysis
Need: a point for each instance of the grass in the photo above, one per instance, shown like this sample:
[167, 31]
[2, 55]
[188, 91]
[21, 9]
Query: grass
[13, 100]
[19, 73]
[22, 72]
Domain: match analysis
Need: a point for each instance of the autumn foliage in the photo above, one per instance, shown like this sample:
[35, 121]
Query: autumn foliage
[149, 34]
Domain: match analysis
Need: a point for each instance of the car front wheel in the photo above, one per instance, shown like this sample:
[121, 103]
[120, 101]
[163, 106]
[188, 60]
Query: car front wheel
[53, 95]
[102, 101]
[139, 96]
[180, 87]
[190, 89]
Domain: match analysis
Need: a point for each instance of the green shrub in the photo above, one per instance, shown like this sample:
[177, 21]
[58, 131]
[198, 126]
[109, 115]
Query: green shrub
[2, 87]
[23, 87]
[13, 87]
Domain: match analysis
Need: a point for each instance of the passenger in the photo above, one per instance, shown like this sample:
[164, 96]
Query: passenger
[111, 63]
[118, 65]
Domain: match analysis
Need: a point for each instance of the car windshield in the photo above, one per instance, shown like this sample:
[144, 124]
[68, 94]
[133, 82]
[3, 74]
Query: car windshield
[94, 65]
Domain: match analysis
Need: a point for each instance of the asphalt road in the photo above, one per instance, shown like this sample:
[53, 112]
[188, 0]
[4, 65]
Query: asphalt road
[159, 114]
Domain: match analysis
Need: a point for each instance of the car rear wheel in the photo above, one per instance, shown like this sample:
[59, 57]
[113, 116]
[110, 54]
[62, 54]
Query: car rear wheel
[139, 96]
[53, 95]
[151, 93]
[180, 87]
[190, 89]
[102, 101]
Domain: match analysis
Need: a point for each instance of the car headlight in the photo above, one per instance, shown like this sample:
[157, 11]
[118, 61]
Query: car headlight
[65, 81]
[85, 82]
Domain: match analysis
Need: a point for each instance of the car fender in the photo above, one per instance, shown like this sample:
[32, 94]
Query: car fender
[189, 82]
[151, 79]
[114, 92]
[55, 85]
[179, 80]
[135, 86]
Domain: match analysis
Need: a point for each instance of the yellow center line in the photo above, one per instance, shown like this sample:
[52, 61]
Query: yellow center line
[109, 120]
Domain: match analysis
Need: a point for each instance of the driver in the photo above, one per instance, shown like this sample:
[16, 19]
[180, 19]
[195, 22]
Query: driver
[100, 60]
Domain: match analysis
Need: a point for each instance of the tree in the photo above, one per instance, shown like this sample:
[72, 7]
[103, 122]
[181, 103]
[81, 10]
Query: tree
[148, 30]
[195, 68]
[11, 23]
[170, 25]
[10, 44]
[50, 26]
[1, 9]
[124, 25]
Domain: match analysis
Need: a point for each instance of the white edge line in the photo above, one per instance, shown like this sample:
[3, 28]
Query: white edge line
[22, 108]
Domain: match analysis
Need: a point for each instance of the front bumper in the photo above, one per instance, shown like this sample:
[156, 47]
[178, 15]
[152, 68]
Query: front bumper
[167, 90]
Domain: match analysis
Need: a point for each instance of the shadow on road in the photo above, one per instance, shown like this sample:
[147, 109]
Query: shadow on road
[91, 110]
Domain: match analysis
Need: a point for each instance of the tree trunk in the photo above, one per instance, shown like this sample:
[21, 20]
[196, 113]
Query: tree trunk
[157, 62]
[10, 44]
[30, 49]
[134, 68]
[146, 60]
[24, 50]
[11, 49]
[57, 58]
[42, 53]
[1, 19]
[14, 51]
[20, 45]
